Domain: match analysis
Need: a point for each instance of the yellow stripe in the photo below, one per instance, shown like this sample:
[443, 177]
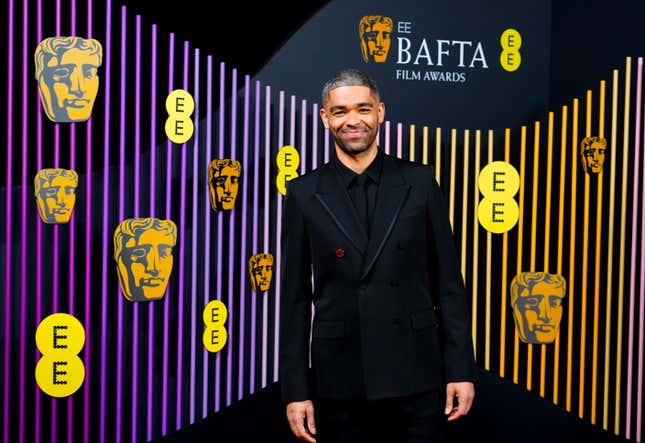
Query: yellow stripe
[572, 247]
[563, 161]
[425, 146]
[583, 292]
[475, 238]
[547, 235]
[621, 267]
[596, 299]
[412, 137]
[502, 338]
[489, 254]
[520, 225]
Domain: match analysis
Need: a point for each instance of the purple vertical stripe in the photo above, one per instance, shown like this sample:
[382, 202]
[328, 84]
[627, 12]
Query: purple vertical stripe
[54, 420]
[641, 316]
[276, 327]
[182, 255]
[292, 121]
[7, 269]
[632, 273]
[137, 191]
[399, 140]
[314, 135]
[231, 249]
[106, 205]
[256, 174]
[153, 193]
[387, 137]
[220, 221]
[23, 230]
[327, 143]
[267, 217]
[303, 136]
[39, 225]
[193, 278]
[119, 324]
[166, 301]
[243, 275]
[207, 222]
[88, 260]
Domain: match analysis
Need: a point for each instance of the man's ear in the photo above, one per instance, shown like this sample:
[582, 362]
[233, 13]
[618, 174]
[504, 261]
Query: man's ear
[323, 117]
[381, 112]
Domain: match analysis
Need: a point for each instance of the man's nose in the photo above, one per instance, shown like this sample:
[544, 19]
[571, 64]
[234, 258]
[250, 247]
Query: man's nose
[152, 263]
[77, 82]
[60, 198]
[227, 187]
[544, 312]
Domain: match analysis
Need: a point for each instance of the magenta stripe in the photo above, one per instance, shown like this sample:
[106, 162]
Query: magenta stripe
[153, 190]
[137, 190]
[231, 249]
[256, 174]
[292, 121]
[182, 255]
[276, 314]
[193, 277]
[39, 225]
[267, 217]
[72, 259]
[220, 234]
[641, 316]
[23, 230]
[399, 140]
[54, 420]
[166, 301]
[243, 275]
[88, 261]
[58, 8]
[314, 135]
[632, 273]
[303, 136]
[106, 206]
[207, 222]
[119, 324]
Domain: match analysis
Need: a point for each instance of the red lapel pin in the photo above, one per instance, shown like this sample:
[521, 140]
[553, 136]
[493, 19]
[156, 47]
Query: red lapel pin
[340, 253]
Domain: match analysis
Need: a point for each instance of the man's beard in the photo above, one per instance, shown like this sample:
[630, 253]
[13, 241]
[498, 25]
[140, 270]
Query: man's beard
[355, 147]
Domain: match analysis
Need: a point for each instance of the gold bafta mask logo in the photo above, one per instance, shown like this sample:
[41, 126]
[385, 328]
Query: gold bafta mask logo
[261, 271]
[592, 151]
[375, 32]
[66, 70]
[143, 255]
[223, 182]
[536, 298]
[55, 191]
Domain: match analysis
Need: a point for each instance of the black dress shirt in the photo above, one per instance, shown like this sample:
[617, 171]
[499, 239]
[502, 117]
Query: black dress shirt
[362, 196]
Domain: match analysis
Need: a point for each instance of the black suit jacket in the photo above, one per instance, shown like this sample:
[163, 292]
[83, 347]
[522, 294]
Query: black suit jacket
[391, 314]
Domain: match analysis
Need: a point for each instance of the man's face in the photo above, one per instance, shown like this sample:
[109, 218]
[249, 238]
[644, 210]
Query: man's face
[56, 200]
[261, 274]
[69, 85]
[145, 265]
[223, 188]
[538, 313]
[593, 158]
[377, 39]
[352, 115]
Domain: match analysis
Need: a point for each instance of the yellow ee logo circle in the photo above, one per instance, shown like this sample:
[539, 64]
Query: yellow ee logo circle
[215, 335]
[498, 211]
[288, 161]
[60, 372]
[180, 106]
[511, 42]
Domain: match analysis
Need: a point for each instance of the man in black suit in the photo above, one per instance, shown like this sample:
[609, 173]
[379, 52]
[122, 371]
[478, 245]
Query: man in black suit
[391, 328]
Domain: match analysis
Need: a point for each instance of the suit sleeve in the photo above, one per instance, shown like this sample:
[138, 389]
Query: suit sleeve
[454, 311]
[295, 303]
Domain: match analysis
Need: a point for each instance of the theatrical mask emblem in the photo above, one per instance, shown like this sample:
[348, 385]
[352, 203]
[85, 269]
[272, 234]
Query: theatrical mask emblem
[143, 254]
[375, 32]
[592, 152]
[536, 298]
[223, 183]
[261, 271]
[55, 191]
[68, 81]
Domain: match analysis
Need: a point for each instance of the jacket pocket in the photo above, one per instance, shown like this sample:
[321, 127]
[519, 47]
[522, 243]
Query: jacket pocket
[423, 319]
[329, 329]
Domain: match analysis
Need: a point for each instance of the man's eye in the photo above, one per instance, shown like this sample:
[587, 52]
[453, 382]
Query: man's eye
[165, 251]
[50, 193]
[90, 72]
[138, 253]
[555, 302]
[61, 73]
[338, 113]
[220, 181]
[69, 190]
[234, 180]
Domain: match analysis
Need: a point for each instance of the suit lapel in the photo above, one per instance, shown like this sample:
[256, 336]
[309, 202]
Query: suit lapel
[334, 198]
[392, 193]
